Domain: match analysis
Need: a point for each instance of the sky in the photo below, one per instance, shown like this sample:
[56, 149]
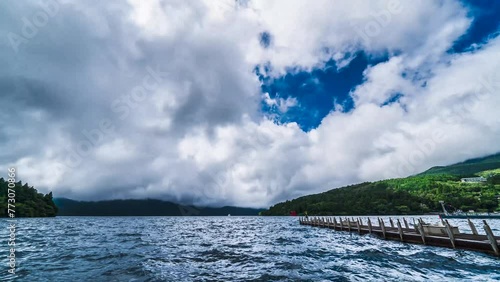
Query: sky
[247, 102]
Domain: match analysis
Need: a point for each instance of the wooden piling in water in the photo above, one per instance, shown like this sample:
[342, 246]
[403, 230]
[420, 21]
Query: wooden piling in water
[421, 230]
[382, 226]
[450, 233]
[491, 238]
[400, 230]
[472, 227]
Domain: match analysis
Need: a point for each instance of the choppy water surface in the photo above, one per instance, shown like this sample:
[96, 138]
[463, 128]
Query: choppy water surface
[226, 249]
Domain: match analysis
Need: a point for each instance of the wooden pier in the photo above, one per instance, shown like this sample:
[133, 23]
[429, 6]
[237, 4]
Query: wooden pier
[415, 233]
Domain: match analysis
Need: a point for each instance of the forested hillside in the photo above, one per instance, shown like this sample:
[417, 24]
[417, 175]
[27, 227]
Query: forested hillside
[412, 195]
[28, 202]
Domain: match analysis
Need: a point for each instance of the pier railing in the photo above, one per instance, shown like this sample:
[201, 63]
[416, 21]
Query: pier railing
[418, 232]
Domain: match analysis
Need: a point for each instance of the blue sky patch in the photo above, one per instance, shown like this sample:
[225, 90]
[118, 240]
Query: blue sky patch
[393, 99]
[316, 92]
[265, 39]
[486, 22]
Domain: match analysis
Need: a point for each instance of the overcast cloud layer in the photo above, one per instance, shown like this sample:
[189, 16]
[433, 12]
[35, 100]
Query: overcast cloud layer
[159, 99]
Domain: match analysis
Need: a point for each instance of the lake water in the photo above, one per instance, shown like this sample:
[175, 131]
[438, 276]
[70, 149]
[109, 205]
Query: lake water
[226, 249]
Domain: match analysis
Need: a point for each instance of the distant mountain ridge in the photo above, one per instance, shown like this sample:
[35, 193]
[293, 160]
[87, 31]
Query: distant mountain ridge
[146, 207]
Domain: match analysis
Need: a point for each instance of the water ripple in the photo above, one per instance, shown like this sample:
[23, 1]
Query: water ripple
[225, 249]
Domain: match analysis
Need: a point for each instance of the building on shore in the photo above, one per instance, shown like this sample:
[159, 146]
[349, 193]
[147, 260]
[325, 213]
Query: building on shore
[473, 179]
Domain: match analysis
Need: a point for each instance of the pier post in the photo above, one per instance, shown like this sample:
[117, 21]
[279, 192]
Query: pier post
[400, 230]
[334, 223]
[406, 223]
[421, 230]
[360, 221]
[392, 223]
[491, 237]
[472, 227]
[341, 224]
[382, 226]
[359, 228]
[349, 224]
[450, 233]
[369, 225]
